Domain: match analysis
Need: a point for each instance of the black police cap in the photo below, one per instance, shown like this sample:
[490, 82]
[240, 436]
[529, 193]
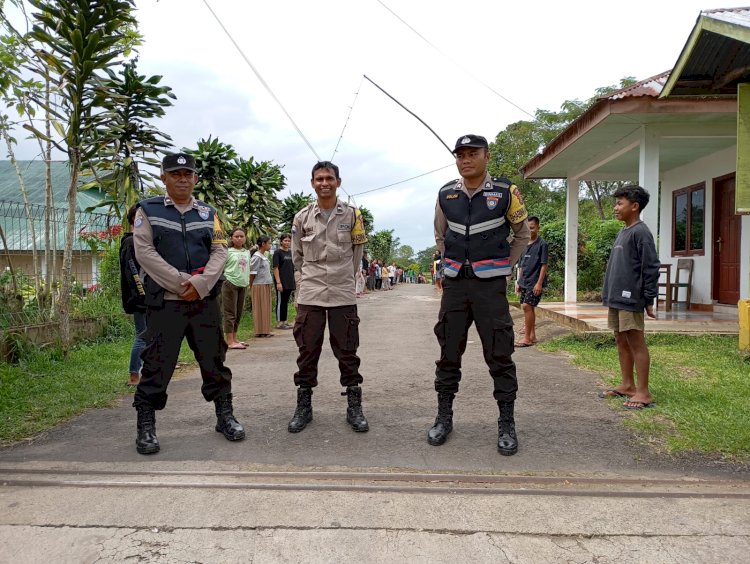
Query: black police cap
[178, 161]
[476, 141]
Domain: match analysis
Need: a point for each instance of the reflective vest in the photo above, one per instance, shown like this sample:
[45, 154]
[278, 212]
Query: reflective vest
[477, 229]
[182, 240]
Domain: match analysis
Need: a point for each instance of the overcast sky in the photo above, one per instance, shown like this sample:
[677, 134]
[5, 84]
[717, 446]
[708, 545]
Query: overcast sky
[313, 53]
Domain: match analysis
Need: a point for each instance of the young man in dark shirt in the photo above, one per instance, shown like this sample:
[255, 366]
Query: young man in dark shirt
[630, 286]
[532, 277]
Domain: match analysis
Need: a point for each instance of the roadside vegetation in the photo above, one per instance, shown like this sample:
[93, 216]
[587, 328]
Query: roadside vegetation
[44, 388]
[701, 386]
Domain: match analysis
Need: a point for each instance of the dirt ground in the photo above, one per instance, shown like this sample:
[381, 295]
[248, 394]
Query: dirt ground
[563, 428]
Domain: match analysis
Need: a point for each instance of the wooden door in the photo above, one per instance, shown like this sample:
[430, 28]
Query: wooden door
[726, 245]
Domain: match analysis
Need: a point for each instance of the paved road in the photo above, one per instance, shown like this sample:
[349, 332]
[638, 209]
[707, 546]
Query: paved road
[202, 498]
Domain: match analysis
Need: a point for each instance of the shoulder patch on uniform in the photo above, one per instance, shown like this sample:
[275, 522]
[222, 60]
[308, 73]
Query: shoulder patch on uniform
[502, 182]
[450, 184]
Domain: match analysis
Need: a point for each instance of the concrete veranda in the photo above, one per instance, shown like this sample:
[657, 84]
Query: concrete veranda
[81, 491]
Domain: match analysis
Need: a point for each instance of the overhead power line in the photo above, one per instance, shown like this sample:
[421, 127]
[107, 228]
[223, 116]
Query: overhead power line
[260, 78]
[479, 80]
[402, 181]
[412, 113]
[349, 115]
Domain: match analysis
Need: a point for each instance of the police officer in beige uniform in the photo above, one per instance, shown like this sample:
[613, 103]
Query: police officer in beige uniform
[327, 243]
[182, 248]
[475, 216]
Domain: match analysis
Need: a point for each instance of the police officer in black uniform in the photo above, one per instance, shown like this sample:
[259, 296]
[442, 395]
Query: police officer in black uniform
[481, 230]
[182, 248]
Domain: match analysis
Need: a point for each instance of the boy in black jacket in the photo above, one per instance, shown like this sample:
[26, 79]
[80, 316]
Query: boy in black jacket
[132, 296]
[630, 286]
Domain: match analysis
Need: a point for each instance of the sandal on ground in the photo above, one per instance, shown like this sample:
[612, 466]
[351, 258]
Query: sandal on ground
[611, 393]
[237, 346]
[524, 345]
[637, 405]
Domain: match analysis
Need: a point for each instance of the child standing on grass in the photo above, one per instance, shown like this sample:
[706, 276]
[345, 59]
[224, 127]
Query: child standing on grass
[237, 275]
[630, 286]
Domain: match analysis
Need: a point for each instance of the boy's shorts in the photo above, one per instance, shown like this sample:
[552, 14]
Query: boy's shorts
[527, 297]
[622, 320]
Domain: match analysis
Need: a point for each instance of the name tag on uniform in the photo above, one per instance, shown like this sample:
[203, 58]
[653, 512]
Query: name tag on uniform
[452, 196]
[626, 293]
[344, 227]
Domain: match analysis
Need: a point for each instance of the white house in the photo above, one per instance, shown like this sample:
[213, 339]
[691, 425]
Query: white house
[678, 135]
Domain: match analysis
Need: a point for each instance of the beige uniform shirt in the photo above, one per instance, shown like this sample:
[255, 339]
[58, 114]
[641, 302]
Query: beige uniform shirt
[516, 216]
[163, 273]
[325, 255]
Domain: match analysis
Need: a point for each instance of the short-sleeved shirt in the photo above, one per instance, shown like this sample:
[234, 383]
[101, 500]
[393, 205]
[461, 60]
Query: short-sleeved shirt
[531, 263]
[283, 261]
[260, 268]
[237, 268]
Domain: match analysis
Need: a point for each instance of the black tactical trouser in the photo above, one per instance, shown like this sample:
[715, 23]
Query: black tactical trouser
[483, 301]
[200, 323]
[309, 328]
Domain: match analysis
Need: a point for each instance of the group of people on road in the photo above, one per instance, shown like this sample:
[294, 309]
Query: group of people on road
[481, 226]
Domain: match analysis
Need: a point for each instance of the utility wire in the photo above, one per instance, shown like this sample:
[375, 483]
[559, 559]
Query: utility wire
[479, 80]
[412, 113]
[349, 115]
[260, 78]
[402, 181]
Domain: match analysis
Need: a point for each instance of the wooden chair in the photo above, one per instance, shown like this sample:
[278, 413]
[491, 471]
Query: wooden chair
[665, 270]
[683, 265]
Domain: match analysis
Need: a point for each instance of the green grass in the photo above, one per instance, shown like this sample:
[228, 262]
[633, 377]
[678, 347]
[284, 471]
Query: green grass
[701, 386]
[44, 389]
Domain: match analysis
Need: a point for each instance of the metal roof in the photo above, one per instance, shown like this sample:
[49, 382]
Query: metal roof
[651, 86]
[716, 56]
[33, 173]
[13, 213]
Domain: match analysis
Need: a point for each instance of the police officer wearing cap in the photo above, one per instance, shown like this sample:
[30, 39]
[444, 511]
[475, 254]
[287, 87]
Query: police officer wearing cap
[481, 230]
[182, 248]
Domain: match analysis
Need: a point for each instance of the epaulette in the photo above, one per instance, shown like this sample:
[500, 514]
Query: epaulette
[502, 181]
[450, 184]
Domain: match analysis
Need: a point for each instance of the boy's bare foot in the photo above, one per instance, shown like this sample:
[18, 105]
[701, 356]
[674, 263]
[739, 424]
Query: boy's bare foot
[635, 405]
[639, 401]
[134, 379]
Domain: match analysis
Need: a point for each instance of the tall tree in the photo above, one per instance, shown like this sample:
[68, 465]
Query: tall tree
[127, 143]
[520, 141]
[80, 40]
[381, 245]
[243, 191]
[290, 205]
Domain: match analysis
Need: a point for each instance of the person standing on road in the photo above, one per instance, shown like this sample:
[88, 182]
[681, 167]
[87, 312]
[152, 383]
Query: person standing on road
[182, 248]
[237, 279]
[260, 287]
[283, 274]
[475, 216]
[532, 278]
[327, 243]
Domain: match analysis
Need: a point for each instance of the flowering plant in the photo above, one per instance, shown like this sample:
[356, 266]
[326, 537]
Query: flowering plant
[100, 240]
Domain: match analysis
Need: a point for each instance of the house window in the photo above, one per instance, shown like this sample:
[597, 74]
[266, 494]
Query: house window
[688, 220]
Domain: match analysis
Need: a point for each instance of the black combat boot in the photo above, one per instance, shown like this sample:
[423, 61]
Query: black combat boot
[507, 443]
[226, 423]
[444, 420]
[303, 414]
[354, 414]
[146, 441]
